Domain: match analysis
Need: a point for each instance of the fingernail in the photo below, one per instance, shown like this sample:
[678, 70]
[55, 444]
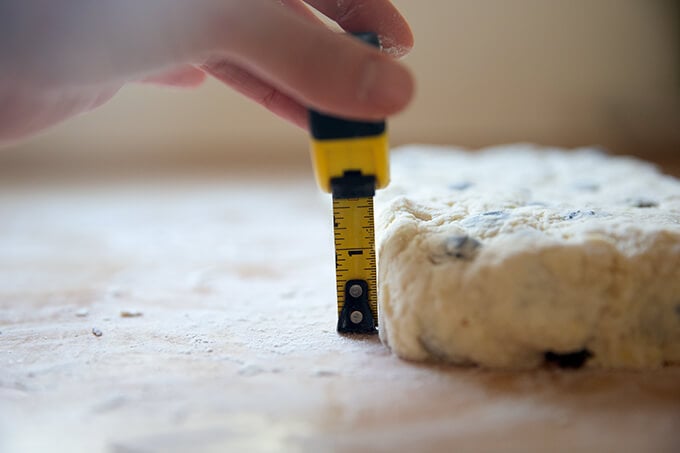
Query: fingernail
[385, 84]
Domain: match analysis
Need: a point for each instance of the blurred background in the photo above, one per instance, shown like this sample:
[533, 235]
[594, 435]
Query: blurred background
[555, 72]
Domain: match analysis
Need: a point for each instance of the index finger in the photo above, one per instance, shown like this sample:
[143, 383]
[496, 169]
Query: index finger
[378, 16]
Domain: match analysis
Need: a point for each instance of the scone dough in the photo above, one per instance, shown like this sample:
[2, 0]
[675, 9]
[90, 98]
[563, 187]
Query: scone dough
[517, 255]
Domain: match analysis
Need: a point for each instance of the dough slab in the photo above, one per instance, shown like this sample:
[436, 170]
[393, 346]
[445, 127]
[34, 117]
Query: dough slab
[516, 256]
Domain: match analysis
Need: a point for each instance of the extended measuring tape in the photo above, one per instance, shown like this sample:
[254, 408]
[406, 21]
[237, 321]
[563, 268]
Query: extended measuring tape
[350, 161]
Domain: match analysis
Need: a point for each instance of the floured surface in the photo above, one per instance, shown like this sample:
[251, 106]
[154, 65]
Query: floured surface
[218, 335]
[517, 255]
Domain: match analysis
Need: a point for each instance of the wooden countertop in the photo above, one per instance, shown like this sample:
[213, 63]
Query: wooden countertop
[235, 348]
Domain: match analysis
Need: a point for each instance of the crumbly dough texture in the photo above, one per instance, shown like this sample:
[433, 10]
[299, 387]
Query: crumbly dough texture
[513, 256]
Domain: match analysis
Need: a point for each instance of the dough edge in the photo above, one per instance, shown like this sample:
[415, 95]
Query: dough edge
[596, 291]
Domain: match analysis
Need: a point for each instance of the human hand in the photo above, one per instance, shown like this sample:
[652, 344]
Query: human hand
[59, 59]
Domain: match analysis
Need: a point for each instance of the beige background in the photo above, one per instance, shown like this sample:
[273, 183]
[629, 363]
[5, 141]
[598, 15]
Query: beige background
[568, 73]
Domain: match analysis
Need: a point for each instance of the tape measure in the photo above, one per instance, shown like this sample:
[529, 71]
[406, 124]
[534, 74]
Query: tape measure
[350, 160]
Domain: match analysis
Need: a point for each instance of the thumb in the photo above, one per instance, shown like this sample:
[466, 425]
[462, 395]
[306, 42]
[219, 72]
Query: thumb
[331, 72]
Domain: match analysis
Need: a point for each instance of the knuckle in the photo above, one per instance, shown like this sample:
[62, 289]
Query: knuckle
[270, 99]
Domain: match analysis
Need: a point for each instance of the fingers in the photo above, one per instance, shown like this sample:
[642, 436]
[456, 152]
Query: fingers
[184, 76]
[331, 72]
[299, 7]
[88, 44]
[261, 92]
[25, 112]
[378, 16]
